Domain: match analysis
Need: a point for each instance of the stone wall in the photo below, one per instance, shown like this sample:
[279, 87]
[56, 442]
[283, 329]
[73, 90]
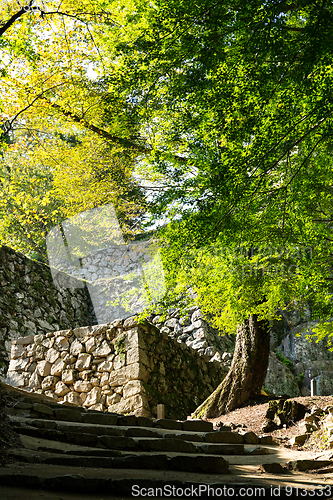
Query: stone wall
[116, 277]
[197, 333]
[31, 304]
[120, 367]
[313, 359]
[280, 380]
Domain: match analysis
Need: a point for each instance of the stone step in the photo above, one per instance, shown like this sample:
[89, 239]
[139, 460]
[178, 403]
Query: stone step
[228, 437]
[116, 430]
[93, 436]
[123, 486]
[204, 464]
[28, 409]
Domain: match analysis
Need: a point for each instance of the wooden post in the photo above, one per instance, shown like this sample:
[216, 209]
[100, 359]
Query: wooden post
[314, 387]
[160, 411]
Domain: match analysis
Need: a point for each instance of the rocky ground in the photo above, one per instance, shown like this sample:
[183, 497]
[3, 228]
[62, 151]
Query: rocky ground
[252, 418]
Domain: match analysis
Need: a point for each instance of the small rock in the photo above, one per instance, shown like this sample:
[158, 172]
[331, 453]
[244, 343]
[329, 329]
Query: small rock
[250, 437]
[61, 389]
[105, 366]
[57, 368]
[61, 343]
[96, 407]
[93, 397]
[15, 379]
[83, 362]
[130, 322]
[273, 468]
[82, 386]
[266, 439]
[269, 426]
[315, 410]
[43, 368]
[171, 323]
[49, 382]
[103, 350]
[298, 440]
[76, 348]
[51, 394]
[73, 398]
[67, 376]
[199, 344]
[113, 399]
[216, 357]
[210, 351]
[52, 355]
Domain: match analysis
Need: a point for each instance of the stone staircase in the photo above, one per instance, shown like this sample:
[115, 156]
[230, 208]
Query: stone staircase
[118, 441]
[68, 447]
[86, 452]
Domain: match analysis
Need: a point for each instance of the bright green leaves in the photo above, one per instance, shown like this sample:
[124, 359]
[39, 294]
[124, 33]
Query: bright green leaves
[27, 208]
[244, 92]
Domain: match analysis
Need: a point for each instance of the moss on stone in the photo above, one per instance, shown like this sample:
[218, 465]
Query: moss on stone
[120, 346]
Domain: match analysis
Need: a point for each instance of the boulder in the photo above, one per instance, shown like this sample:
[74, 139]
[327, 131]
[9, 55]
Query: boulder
[279, 378]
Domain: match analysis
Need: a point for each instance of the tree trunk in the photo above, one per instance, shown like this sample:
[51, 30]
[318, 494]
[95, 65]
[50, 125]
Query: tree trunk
[247, 372]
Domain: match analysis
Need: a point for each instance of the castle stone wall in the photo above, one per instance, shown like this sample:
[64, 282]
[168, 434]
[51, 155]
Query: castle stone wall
[120, 367]
[31, 304]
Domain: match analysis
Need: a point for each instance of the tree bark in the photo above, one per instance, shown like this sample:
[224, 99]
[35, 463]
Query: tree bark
[247, 372]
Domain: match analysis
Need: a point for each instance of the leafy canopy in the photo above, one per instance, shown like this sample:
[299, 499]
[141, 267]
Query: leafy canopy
[224, 110]
[242, 94]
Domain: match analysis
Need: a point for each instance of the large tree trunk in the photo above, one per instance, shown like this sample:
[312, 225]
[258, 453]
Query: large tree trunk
[247, 372]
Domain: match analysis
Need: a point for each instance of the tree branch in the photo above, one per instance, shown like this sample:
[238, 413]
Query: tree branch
[90, 126]
[117, 140]
[16, 16]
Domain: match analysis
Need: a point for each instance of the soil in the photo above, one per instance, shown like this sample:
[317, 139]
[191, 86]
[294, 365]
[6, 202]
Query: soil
[8, 438]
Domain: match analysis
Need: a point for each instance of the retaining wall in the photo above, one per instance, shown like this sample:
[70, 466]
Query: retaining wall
[30, 303]
[120, 367]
